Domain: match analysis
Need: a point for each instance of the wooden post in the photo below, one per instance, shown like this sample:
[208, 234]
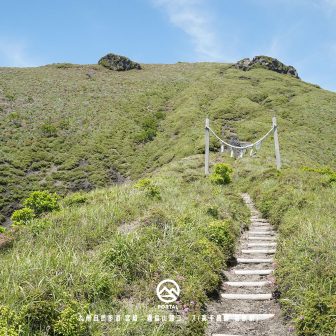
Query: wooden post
[276, 144]
[222, 145]
[207, 145]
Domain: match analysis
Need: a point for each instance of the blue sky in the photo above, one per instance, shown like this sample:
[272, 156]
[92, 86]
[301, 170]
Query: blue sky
[298, 32]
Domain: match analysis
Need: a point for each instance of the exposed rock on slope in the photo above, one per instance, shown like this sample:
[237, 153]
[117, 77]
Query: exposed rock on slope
[267, 63]
[118, 63]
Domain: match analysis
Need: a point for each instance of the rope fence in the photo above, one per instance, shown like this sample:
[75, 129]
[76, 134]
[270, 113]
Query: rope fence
[241, 149]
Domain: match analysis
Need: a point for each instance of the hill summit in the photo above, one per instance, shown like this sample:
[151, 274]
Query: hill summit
[268, 63]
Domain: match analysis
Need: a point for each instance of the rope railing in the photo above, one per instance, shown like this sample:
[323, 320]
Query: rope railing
[241, 149]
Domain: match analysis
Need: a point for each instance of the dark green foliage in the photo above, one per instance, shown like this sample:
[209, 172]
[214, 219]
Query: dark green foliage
[213, 211]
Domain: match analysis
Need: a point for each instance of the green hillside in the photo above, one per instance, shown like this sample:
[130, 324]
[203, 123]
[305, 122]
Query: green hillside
[104, 251]
[65, 131]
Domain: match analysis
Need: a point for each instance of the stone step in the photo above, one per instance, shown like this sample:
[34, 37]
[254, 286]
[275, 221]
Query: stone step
[265, 232]
[223, 335]
[261, 238]
[254, 260]
[247, 283]
[260, 244]
[246, 317]
[253, 272]
[247, 296]
[269, 251]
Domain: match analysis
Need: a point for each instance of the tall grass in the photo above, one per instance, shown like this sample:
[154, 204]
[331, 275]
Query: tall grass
[302, 205]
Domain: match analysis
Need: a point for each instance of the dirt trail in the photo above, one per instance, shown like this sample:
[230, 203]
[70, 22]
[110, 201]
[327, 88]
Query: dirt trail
[247, 304]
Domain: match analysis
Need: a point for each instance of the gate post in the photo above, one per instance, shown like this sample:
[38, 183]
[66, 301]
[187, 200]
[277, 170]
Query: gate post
[207, 145]
[276, 144]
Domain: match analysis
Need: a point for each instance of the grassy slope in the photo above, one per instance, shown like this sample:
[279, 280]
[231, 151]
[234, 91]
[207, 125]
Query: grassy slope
[63, 131]
[49, 141]
[110, 253]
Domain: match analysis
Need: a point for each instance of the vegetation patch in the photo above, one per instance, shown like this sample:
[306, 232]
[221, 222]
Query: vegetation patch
[221, 174]
[118, 272]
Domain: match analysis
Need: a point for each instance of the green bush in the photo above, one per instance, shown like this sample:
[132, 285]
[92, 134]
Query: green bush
[75, 199]
[40, 315]
[222, 174]
[22, 216]
[41, 201]
[9, 322]
[68, 323]
[324, 171]
[145, 136]
[151, 189]
[213, 211]
[149, 130]
[49, 130]
[220, 232]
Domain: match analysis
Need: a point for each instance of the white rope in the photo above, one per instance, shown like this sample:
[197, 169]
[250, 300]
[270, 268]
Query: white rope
[243, 147]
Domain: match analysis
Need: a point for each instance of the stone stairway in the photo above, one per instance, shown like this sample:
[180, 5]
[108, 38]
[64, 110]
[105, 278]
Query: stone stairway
[247, 303]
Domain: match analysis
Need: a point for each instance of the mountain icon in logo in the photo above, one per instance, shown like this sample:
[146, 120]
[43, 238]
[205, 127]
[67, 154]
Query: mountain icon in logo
[168, 291]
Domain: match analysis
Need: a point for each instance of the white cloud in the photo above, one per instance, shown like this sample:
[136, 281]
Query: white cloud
[14, 53]
[190, 17]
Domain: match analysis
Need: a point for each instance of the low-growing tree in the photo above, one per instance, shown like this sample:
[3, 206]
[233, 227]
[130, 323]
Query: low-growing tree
[222, 174]
[22, 216]
[42, 201]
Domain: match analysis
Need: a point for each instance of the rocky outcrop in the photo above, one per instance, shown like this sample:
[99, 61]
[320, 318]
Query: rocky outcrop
[268, 63]
[118, 63]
